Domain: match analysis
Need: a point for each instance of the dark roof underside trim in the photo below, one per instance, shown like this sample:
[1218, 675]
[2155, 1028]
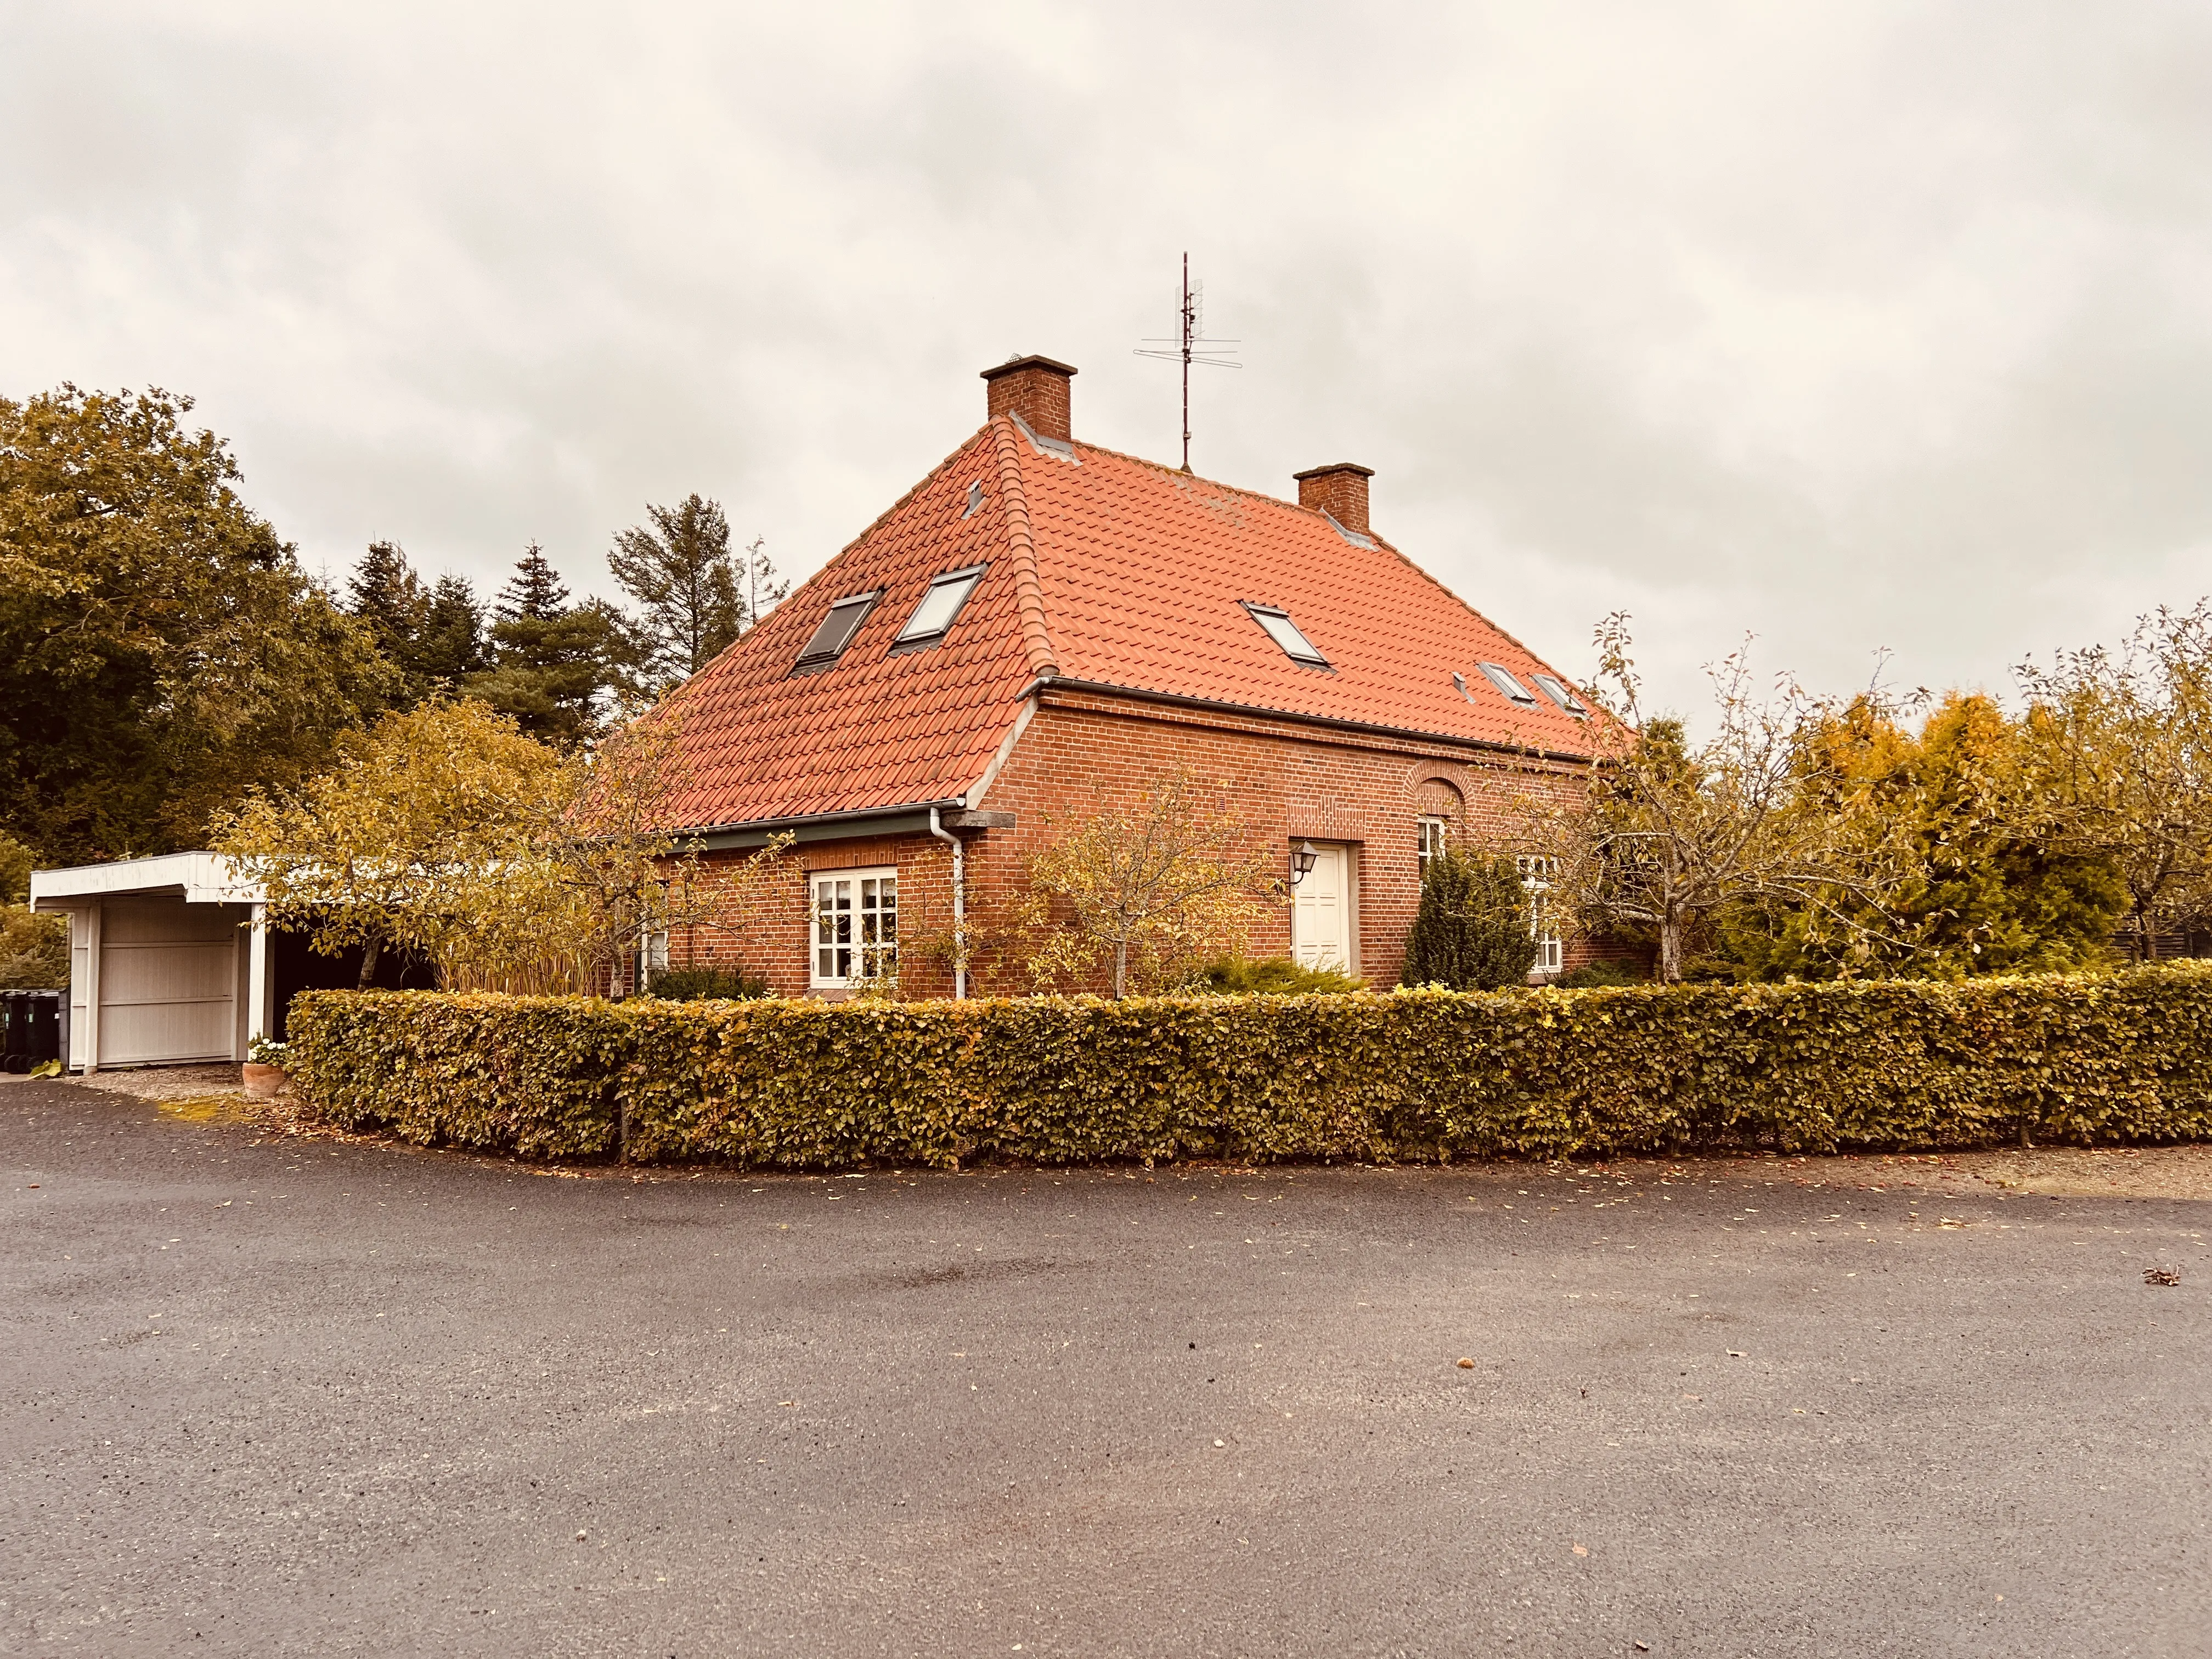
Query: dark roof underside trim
[1252, 711]
[814, 826]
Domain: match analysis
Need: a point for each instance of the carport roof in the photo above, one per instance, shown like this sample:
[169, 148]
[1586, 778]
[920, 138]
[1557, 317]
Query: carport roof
[201, 878]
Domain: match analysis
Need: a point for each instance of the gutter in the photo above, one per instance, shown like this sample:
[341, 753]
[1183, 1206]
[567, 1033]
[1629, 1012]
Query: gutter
[817, 826]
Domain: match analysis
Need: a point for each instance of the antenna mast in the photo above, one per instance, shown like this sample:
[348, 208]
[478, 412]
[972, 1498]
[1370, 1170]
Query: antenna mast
[1190, 346]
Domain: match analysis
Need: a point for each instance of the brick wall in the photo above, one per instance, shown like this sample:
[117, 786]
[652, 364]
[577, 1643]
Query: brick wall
[1086, 753]
[768, 936]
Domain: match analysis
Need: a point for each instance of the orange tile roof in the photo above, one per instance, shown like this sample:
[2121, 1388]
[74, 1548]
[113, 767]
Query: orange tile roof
[1102, 569]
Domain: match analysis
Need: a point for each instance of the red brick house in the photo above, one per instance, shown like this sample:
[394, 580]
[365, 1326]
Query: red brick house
[1041, 628]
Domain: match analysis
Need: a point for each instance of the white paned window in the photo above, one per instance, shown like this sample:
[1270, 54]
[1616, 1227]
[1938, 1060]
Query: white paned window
[1536, 875]
[855, 928]
[1433, 831]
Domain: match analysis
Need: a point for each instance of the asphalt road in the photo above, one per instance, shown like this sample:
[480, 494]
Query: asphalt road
[272, 1395]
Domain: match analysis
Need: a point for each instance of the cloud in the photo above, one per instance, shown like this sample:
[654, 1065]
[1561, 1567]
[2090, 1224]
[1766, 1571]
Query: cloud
[1879, 324]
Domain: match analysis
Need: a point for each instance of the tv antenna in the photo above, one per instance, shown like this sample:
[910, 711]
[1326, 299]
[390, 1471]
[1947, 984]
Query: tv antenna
[1191, 346]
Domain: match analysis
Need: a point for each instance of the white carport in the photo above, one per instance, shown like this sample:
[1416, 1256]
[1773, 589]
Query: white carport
[168, 959]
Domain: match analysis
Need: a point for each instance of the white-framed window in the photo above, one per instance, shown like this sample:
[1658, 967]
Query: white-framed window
[656, 952]
[1433, 831]
[856, 923]
[1536, 874]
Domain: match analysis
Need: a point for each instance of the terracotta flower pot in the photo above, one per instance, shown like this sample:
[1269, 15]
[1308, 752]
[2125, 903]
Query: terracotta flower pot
[266, 1082]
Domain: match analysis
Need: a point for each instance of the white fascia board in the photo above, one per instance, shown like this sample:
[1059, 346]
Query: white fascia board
[202, 877]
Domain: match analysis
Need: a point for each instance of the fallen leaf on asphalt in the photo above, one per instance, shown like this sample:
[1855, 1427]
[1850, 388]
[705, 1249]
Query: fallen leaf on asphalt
[2160, 1276]
[1467, 1364]
[1579, 1549]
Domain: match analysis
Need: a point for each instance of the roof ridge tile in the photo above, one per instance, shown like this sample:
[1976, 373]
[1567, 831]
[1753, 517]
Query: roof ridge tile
[1029, 592]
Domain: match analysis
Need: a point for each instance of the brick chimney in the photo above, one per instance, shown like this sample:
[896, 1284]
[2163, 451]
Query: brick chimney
[1035, 388]
[1341, 491]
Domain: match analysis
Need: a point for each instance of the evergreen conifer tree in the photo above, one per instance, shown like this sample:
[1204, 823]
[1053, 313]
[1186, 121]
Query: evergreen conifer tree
[555, 666]
[685, 580]
[534, 592]
[386, 595]
[1470, 932]
[450, 646]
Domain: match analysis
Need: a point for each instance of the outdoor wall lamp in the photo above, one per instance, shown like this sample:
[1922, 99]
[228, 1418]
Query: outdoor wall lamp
[1303, 862]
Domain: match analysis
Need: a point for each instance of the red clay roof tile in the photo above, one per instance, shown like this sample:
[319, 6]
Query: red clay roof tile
[1102, 568]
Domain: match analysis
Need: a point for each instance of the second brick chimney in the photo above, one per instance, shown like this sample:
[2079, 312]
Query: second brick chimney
[1341, 491]
[1035, 388]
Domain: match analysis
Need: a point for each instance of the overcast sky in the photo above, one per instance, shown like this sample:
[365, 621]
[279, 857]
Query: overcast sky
[1850, 325]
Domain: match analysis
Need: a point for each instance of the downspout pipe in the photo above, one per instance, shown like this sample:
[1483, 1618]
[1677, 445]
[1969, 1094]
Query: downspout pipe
[959, 905]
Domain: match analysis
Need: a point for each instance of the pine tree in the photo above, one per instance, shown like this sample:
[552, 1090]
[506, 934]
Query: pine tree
[555, 666]
[534, 592]
[1472, 930]
[450, 646]
[686, 581]
[386, 595]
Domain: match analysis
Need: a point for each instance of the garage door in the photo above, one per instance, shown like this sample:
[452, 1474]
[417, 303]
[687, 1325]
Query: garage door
[168, 980]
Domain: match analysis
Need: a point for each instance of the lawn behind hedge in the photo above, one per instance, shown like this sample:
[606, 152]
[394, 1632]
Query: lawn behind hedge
[1414, 1076]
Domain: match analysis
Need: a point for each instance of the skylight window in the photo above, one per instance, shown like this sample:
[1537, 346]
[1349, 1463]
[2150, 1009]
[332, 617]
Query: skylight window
[1285, 633]
[1558, 691]
[939, 606]
[1504, 680]
[834, 634]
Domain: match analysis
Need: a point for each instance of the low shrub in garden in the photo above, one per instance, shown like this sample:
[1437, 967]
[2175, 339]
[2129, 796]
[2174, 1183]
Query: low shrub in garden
[703, 984]
[1268, 976]
[1413, 1075]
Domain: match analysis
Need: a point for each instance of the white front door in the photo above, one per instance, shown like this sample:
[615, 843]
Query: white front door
[1320, 913]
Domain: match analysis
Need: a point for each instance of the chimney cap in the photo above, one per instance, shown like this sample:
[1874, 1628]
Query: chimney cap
[1013, 363]
[1334, 466]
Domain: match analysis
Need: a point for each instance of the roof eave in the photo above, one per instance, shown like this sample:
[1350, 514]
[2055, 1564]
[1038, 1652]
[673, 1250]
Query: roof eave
[1255, 711]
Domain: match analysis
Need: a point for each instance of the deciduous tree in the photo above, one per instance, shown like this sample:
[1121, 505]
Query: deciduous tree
[2119, 765]
[1156, 891]
[159, 649]
[1668, 837]
[449, 833]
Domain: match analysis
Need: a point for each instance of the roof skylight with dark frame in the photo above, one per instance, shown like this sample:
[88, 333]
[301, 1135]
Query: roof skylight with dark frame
[933, 617]
[834, 634]
[1284, 632]
[1507, 685]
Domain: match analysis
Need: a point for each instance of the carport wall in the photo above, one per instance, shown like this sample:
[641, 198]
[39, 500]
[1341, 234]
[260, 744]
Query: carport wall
[168, 960]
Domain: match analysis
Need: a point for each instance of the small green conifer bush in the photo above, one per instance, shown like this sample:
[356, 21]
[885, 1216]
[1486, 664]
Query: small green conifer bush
[1471, 933]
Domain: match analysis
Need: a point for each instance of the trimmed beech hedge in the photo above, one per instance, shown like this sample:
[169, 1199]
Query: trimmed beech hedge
[1412, 1076]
